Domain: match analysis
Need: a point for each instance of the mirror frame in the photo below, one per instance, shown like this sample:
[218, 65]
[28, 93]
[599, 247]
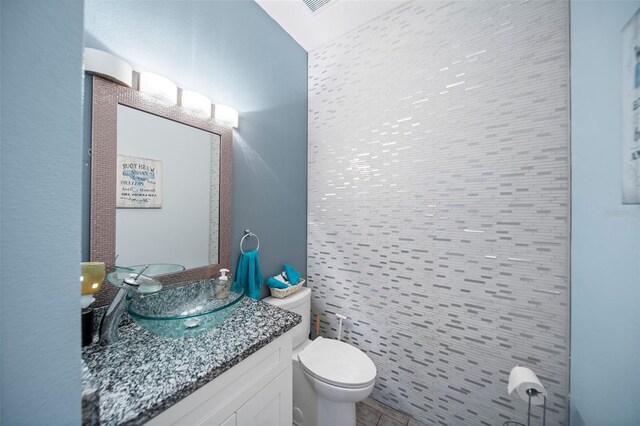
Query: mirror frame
[104, 146]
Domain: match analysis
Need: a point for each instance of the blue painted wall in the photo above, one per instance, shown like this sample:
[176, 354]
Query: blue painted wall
[233, 52]
[605, 289]
[41, 79]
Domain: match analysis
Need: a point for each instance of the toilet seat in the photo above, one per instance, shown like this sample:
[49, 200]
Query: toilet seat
[338, 364]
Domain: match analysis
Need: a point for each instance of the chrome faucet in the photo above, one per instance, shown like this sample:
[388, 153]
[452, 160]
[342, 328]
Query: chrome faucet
[112, 318]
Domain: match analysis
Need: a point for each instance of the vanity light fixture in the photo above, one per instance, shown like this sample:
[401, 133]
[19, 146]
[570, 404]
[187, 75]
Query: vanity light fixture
[196, 102]
[107, 66]
[156, 85]
[226, 114]
[115, 69]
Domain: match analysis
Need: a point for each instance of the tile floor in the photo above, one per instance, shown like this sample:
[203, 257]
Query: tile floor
[373, 413]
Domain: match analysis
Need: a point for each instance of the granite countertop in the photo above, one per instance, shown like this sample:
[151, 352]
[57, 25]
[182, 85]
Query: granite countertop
[142, 374]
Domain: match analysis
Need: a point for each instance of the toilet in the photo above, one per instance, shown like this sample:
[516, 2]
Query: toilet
[329, 376]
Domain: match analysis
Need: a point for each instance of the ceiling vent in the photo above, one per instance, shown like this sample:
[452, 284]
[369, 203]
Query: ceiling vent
[314, 5]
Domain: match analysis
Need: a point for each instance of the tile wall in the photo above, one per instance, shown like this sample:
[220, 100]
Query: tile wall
[438, 203]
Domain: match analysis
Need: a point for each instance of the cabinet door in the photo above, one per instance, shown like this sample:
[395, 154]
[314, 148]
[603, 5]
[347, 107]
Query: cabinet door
[271, 406]
[231, 421]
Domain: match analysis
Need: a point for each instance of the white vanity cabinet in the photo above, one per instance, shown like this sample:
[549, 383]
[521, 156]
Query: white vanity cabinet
[271, 406]
[255, 392]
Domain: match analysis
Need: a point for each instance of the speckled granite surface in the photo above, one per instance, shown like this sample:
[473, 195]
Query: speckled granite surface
[142, 374]
[90, 398]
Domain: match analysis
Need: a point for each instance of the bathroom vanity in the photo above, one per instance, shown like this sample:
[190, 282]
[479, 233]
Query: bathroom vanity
[145, 153]
[256, 391]
[238, 373]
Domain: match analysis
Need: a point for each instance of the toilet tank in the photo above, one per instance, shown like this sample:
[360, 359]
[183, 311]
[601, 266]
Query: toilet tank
[300, 303]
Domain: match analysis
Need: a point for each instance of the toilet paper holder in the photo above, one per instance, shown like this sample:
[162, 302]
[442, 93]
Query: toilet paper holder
[528, 386]
[531, 393]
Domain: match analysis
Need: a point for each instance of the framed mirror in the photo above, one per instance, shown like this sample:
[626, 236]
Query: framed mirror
[160, 185]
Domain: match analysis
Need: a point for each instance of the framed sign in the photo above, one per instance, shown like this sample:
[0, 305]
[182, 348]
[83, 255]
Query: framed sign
[139, 183]
[631, 111]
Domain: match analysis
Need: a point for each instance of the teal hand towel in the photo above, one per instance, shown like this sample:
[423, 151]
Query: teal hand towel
[292, 275]
[273, 283]
[248, 273]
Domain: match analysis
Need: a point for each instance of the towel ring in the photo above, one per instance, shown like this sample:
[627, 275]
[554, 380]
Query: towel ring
[248, 233]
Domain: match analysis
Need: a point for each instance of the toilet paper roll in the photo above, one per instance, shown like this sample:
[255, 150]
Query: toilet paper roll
[521, 380]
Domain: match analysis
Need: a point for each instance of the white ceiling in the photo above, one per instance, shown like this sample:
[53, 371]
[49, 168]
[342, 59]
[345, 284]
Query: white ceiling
[337, 17]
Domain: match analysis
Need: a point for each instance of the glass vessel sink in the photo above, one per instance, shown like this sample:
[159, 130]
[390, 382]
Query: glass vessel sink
[185, 310]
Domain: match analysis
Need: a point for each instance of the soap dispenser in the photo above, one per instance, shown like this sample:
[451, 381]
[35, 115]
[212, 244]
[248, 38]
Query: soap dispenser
[222, 285]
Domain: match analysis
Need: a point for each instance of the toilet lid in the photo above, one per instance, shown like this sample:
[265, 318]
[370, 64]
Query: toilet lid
[337, 363]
